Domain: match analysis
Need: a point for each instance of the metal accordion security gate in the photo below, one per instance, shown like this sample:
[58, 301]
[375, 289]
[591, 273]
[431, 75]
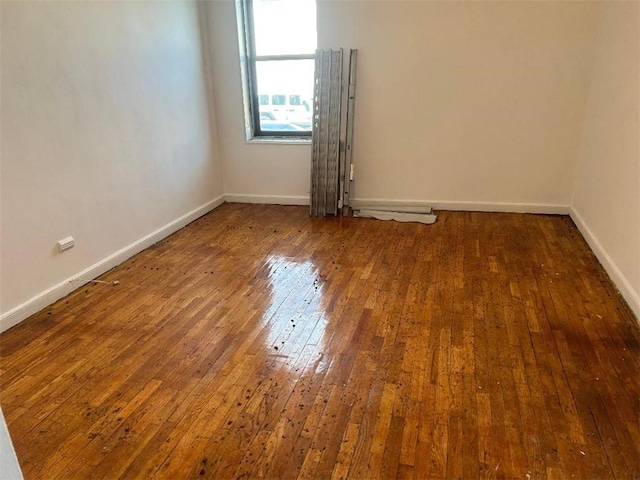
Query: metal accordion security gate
[331, 171]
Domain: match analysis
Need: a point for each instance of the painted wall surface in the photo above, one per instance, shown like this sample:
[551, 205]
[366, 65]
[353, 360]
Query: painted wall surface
[251, 170]
[477, 102]
[607, 188]
[105, 133]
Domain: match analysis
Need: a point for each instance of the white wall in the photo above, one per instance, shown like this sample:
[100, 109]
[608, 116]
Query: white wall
[459, 104]
[252, 172]
[105, 135]
[470, 103]
[606, 198]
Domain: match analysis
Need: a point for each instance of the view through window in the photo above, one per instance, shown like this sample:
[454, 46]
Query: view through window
[280, 43]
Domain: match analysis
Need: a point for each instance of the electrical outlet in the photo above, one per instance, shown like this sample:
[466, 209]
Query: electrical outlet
[66, 244]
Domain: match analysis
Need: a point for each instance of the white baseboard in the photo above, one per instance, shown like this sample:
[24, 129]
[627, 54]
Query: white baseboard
[540, 208]
[43, 299]
[629, 294]
[267, 199]
[436, 205]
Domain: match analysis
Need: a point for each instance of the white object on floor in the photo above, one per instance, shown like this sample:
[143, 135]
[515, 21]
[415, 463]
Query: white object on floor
[426, 218]
[396, 209]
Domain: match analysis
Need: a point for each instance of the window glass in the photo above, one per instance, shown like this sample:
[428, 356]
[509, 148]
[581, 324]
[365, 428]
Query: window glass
[284, 27]
[278, 99]
[295, 77]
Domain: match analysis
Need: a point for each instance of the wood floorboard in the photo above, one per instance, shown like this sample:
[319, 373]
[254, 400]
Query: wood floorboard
[258, 342]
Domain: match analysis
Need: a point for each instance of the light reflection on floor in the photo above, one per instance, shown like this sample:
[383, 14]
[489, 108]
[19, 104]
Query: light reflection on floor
[295, 321]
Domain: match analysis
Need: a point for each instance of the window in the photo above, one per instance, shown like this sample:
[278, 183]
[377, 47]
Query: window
[278, 43]
[278, 100]
[294, 100]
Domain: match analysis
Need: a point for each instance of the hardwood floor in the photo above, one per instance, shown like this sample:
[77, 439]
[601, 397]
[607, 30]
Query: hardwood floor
[258, 342]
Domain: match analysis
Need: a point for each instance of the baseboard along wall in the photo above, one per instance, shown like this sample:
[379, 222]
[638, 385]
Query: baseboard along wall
[617, 277]
[267, 199]
[539, 208]
[43, 299]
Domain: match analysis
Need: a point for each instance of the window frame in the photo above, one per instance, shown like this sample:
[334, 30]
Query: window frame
[248, 65]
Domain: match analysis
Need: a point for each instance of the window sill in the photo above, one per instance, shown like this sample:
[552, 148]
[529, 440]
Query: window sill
[279, 141]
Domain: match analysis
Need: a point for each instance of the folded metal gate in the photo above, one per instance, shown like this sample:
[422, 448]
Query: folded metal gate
[325, 142]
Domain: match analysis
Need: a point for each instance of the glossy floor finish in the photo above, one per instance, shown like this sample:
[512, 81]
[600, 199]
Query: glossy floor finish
[258, 342]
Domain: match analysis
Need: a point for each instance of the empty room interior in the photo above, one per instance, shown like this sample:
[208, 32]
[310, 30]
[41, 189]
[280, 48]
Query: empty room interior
[169, 307]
